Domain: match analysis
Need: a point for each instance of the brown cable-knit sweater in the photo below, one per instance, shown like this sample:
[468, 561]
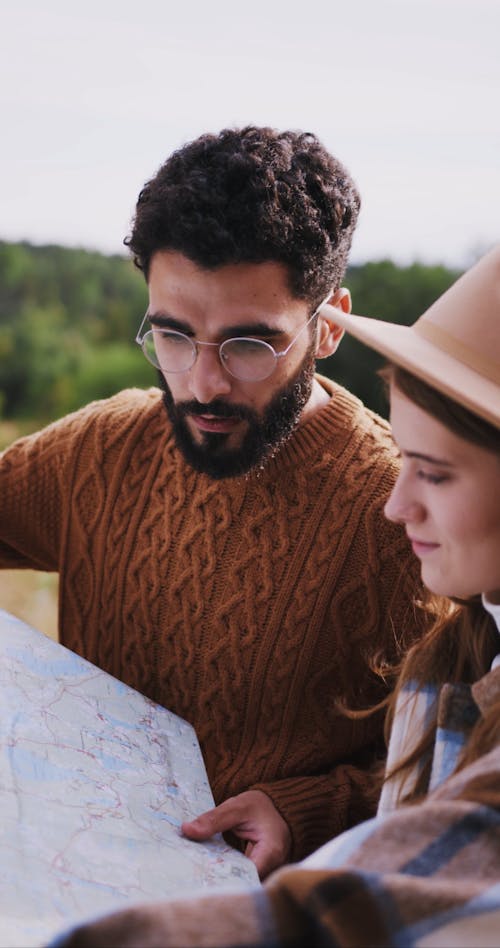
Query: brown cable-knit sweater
[245, 605]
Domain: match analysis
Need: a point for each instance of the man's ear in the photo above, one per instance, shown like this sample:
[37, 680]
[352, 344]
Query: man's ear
[329, 334]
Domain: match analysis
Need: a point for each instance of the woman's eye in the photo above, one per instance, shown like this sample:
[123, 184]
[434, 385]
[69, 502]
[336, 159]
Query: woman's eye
[432, 478]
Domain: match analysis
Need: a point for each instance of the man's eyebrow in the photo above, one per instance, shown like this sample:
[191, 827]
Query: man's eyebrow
[428, 458]
[253, 329]
[169, 322]
[240, 329]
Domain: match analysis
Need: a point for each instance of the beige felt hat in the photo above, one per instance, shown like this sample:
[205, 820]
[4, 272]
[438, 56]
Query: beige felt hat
[454, 346]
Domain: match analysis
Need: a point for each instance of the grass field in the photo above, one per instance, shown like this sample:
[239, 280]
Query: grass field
[10, 430]
[30, 595]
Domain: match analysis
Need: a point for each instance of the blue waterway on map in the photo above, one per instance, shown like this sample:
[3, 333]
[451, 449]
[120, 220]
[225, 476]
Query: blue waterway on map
[32, 765]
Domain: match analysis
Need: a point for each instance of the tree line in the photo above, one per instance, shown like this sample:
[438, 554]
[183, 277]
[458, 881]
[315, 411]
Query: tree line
[69, 317]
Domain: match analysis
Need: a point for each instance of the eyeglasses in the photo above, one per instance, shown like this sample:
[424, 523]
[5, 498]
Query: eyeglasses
[246, 359]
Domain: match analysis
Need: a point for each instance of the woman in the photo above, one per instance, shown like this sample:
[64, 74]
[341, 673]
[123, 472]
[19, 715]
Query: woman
[450, 466]
[426, 870]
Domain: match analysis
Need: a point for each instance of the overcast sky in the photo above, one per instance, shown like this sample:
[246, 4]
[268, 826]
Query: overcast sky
[94, 96]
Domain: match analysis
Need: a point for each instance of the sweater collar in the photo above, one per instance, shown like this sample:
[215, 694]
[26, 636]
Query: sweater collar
[326, 428]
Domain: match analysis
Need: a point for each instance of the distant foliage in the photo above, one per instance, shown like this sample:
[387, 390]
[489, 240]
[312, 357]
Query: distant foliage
[68, 320]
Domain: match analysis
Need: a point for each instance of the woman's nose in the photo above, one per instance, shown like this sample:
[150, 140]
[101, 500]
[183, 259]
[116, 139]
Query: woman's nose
[403, 506]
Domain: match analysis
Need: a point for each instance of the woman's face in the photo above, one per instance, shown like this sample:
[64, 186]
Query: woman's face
[448, 497]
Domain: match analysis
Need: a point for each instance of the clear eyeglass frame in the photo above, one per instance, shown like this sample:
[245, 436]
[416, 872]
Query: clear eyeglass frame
[245, 358]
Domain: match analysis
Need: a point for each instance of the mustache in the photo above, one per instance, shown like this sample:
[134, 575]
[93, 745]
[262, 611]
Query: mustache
[218, 408]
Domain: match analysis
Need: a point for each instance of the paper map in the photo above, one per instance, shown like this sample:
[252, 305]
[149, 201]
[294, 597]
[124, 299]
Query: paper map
[95, 780]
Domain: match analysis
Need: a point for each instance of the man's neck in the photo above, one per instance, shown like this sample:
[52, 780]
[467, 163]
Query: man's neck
[318, 398]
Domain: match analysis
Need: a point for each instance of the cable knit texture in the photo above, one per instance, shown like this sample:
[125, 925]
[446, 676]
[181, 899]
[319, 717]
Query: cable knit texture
[247, 605]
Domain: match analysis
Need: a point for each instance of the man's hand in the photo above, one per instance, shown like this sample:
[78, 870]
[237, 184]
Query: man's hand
[251, 816]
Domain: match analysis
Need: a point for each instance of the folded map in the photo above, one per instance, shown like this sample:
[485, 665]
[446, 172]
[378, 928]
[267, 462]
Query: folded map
[95, 780]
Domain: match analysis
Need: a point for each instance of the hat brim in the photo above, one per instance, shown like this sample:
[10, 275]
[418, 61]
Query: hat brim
[401, 345]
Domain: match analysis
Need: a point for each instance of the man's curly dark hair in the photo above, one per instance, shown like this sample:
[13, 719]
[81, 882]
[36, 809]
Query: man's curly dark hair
[252, 195]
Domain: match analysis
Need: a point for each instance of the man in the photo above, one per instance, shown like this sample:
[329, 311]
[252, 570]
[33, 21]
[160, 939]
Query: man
[221, 545]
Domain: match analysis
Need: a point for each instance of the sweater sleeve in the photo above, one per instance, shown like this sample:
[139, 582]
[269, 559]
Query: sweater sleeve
[32, 475]
[424, 875]
[43, 476]
[38, 478]
[316, 808]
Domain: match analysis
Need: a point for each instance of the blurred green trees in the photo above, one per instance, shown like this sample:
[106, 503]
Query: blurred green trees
[68, 320]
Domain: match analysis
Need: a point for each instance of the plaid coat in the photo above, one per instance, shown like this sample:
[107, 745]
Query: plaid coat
[424, 875]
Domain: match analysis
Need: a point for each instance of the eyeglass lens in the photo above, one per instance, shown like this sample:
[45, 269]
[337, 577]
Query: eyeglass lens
[245, 359]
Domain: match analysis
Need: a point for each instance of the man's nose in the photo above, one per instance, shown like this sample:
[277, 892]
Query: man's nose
[207, 377]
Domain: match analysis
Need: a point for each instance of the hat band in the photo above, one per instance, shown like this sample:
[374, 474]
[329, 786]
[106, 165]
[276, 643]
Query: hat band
[453, 347]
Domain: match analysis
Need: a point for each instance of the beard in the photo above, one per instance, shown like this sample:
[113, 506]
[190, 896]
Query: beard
[265, 434]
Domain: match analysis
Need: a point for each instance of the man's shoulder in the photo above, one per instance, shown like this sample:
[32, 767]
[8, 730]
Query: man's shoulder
[106, 419]
[131, 415]
[130, 402]
[352, 403]
[125, 409]
[353, 419]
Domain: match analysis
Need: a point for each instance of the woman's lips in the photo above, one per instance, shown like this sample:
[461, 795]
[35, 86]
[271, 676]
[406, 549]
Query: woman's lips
[420, 548]
[220, 425]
